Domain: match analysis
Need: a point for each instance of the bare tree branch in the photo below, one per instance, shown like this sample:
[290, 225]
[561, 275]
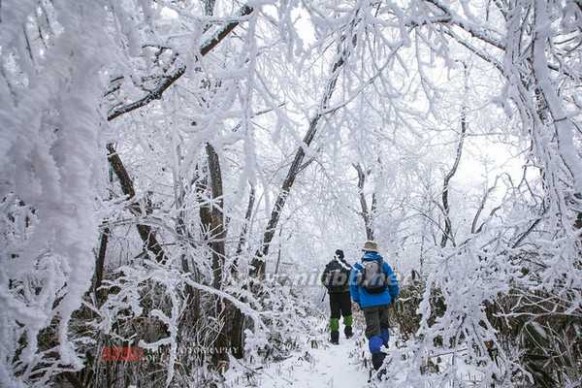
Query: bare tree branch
[526, 233]
[482, 206]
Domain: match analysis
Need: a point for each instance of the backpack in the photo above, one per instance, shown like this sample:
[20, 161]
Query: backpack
[372, 277]
[337, 277]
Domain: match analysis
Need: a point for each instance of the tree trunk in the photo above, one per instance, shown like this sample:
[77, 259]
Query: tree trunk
[212, 220]
[145, 231]
[448, 232]
[100, 264]
[235, 316]
[366, 214]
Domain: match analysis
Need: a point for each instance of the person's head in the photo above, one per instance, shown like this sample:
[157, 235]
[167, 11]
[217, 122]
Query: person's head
[339, 254]
[370, 246]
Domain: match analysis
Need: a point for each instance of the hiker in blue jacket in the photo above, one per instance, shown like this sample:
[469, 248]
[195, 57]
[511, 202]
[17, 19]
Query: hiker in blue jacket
[373, 287]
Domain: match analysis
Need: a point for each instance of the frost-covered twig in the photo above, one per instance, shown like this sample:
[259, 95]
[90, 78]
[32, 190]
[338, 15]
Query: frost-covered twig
[168, 80]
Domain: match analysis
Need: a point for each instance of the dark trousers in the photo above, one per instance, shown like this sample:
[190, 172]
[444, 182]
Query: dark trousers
[376, 321]
[377, 325]
[340, 304]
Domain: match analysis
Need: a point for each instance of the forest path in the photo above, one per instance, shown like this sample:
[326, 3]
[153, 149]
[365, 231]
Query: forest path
[322, 366]
[336, 366]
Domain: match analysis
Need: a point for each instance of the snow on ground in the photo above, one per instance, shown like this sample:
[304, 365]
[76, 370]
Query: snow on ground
[346, 365]
[322, 366]
[328, 365]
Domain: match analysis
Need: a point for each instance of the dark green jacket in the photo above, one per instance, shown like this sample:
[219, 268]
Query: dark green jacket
[336, 275]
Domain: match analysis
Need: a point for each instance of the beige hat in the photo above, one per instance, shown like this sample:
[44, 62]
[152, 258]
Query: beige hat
[370, 246]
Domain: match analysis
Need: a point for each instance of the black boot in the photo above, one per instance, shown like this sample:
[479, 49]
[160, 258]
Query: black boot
[348, 332]
[378, 360]
[335, 337]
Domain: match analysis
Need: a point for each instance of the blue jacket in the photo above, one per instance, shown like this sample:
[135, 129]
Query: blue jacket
[365, 299]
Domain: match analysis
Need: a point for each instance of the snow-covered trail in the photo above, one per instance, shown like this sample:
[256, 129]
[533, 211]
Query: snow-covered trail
[336, 366]
[320, 365]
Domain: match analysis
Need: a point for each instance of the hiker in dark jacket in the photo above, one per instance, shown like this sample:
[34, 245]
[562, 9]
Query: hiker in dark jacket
[373, 286]
[335, 278]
